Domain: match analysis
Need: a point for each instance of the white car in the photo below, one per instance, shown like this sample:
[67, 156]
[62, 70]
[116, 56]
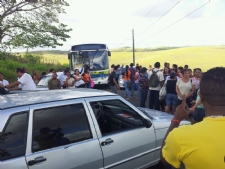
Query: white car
[43, 83]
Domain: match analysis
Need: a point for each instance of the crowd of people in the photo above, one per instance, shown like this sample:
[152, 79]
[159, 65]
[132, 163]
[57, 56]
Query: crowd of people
[186, 144]
[59, 79]
[177, 81]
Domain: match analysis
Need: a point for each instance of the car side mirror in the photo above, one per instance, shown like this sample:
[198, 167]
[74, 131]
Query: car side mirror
[147, 123]
[109, 53]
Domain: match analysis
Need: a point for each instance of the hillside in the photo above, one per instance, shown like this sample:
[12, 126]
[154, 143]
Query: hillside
[204, 57]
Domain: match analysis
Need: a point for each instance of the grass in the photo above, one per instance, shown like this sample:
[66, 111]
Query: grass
[196, 57]
[8, 68]
[63, 59]
[204, 57]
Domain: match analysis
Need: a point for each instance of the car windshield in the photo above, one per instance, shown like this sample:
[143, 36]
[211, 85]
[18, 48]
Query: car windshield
[145, 113]
[44, 81]
[97, 60]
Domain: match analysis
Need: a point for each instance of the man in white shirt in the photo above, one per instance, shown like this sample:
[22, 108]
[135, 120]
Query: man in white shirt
[2, 80]
[25, 81]
[154, 90]
[63, 76]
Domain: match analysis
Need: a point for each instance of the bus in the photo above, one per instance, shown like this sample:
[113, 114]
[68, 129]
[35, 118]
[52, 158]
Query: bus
[96, 56]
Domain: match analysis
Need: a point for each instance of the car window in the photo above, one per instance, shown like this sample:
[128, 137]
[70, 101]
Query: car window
[115, 116]
[44, 81]
[57, 126]
[13, 138]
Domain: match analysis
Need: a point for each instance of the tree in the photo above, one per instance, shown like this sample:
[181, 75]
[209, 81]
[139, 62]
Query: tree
[32, 23]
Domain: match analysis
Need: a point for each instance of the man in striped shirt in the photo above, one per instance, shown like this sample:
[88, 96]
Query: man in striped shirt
[143, 83]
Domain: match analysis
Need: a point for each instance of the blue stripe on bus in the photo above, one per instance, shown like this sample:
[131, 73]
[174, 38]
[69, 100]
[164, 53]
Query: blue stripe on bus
[101, 75]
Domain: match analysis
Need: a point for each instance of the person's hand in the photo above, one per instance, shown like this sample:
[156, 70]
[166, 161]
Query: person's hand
[193, 102]
[182, 111]
[118, 87]
[192, 110]
[1, 85]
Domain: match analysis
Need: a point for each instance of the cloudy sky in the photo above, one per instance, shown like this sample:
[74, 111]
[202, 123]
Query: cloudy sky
[112, 21]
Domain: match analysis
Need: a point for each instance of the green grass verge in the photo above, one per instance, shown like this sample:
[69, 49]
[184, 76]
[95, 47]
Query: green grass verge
[8, 68]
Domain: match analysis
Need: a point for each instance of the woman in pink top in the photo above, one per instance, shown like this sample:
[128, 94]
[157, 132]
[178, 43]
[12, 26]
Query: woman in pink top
[196, 78]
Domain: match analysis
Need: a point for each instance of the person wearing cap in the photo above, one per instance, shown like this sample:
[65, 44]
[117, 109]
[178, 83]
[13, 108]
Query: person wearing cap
[2, 80]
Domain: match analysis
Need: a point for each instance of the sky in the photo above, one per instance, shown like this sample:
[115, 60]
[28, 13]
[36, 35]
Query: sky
[111, 22]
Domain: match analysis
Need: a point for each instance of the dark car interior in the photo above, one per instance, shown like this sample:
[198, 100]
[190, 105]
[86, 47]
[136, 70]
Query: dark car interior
[114, 116]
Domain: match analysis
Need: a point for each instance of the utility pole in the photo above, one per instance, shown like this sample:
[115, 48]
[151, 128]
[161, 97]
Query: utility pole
[133, 47]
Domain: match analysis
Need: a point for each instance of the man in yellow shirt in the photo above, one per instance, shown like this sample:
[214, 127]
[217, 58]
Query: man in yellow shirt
[202, 145]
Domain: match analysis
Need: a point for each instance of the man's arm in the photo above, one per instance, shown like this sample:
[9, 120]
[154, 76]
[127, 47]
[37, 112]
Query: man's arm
[196, 105]
[161, 79]
[114, 80]
[180, 114]
[13, 84]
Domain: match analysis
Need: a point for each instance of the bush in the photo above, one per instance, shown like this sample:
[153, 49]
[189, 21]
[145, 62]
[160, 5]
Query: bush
[10, 62]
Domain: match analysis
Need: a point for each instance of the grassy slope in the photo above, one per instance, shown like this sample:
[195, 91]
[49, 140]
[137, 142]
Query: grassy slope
[204, 57]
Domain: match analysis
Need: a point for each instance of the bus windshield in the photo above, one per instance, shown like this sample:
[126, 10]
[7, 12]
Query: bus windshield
[97, 60]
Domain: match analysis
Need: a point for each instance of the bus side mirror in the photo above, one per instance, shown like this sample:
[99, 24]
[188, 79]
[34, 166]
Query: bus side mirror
[69, 56]
[109, 53]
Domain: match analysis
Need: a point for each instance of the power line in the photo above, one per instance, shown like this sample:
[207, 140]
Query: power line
[145, 16]
[174, 22]
[159, 18]
[152, 8]
[121, 43]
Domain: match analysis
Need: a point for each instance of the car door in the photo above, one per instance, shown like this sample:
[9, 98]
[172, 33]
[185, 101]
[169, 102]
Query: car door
[62, 137]
[13, 134]
[124, 140]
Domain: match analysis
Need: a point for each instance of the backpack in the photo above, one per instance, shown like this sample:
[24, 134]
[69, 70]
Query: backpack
[154, 79]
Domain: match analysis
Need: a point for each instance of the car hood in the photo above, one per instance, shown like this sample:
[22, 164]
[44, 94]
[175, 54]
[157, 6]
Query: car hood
[161, 119]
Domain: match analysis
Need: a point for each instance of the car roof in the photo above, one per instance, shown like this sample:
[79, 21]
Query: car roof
[50, 74]
[36, 97]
